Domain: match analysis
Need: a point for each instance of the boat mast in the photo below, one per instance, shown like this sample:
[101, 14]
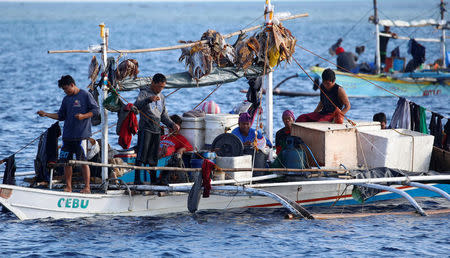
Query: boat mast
[104, 33]
[442, 7]
[377, 36]
[269, 82]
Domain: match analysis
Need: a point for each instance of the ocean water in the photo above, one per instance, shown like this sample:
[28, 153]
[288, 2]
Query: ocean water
[28, 81]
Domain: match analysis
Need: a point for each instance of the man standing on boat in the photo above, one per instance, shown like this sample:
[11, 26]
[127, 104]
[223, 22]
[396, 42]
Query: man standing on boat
[152, 106]
[333, 102]
[384, 40]
[77, 108]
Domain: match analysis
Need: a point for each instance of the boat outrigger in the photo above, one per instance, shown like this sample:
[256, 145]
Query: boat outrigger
[340, 151]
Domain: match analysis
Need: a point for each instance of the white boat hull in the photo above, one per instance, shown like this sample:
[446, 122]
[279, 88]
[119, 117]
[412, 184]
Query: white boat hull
[29, 203]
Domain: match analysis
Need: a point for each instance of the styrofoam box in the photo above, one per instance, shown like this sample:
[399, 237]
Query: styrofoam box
[235, 162]
[396, 149]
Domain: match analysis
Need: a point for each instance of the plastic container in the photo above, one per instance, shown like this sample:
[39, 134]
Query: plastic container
[193, 128]
[234, 162]
[216, 124]
[127, 156]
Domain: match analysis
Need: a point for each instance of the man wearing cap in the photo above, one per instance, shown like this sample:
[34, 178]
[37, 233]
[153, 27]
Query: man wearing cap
[247, 135]
[280, 137]
[346, 61]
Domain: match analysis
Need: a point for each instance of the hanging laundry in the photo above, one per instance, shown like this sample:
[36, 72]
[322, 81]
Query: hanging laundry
[47, 152]
[10, 171]
[402, 115]
[254, 96]
[446, 140]
[96, 119]
[207, 168]
[415, 116]
[436, 129]
[127, 125]
[418, 53]
[423, 120]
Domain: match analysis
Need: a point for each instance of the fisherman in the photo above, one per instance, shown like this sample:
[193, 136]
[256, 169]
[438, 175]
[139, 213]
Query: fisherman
[77, 108]
[333, 102]
[346, 61]
[247, 135]
[280, 137]
[152, 106]
[384, 40]
[174, 142]
[380, 117]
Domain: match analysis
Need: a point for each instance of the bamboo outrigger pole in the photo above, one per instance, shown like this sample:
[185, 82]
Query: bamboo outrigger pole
[177, 46]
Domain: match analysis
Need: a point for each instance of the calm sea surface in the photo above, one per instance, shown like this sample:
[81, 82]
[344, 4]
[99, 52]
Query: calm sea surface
[28, 82]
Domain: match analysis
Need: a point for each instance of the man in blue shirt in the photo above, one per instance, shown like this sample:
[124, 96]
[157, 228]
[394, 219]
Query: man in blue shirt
[77, 108]
[247, 135]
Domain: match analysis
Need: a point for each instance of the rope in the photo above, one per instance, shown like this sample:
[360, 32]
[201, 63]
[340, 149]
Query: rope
[350, 121]
[350, 74]
[28, 144]
[218, 86]
[353, 75]
[172, 92]
[258, 114]
[412, 155]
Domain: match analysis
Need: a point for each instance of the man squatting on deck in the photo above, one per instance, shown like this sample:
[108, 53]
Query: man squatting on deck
[152, 106]
[326, 110]
[77, 108]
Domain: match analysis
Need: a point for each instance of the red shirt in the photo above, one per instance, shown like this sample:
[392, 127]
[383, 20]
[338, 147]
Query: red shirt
[174, 142]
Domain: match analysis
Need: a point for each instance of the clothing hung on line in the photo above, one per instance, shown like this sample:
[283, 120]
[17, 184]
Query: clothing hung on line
[127, 125]
[418, 118]
[47, 152]
[402, 115]
[436, 129]
[10, 171]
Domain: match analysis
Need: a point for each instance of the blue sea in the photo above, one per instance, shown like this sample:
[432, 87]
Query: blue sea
[28, 82]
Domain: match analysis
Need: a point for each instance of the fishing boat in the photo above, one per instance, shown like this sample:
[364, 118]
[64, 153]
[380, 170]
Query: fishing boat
[393, 80]
[333, 181]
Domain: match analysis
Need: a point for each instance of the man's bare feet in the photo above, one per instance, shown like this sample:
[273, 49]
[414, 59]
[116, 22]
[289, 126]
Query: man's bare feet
[67, 189]
[86, 191]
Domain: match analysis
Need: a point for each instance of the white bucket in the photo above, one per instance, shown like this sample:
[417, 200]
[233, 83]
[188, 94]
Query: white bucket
[193, 128]
[234, 162]
[215, 124]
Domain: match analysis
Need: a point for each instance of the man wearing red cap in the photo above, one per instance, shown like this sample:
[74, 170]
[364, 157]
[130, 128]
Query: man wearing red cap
[346, 61]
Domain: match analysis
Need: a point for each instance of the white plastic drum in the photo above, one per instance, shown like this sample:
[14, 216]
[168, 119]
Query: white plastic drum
[216, 124]
[193, 128]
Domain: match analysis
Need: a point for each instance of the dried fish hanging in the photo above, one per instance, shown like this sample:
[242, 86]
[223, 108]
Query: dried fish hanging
[94, 69]
[200, 58]
[281, 45]
[246, 52]
[127, 68]
[222, 53]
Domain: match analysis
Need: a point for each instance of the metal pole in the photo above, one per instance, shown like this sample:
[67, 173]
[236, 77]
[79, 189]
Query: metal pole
[377, 35]
[269, 84]
[444, 59]
[104, 36]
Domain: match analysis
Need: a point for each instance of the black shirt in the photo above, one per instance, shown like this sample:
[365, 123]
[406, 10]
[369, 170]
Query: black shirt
[328, 107]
